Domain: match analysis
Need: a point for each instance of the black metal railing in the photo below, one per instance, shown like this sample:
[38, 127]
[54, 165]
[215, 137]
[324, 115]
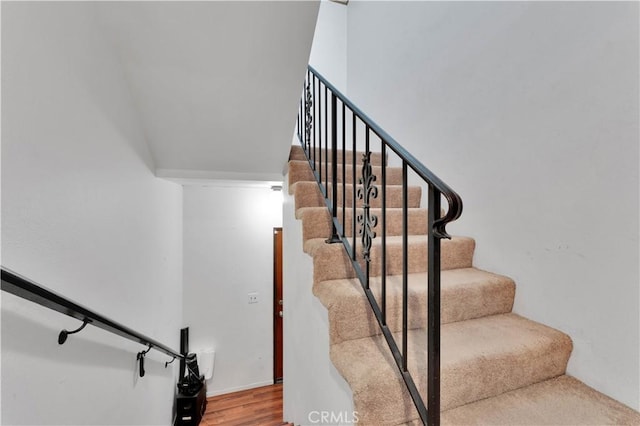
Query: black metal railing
[323, 120]
[29, 290]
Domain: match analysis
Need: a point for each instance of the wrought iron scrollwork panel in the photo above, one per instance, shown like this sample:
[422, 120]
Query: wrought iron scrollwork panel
[366, 193]
[308, 121]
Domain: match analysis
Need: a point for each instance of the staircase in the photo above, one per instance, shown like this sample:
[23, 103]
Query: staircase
[496, 366]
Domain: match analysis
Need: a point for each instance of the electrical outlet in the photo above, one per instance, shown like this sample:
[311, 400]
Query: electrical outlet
[253, 297]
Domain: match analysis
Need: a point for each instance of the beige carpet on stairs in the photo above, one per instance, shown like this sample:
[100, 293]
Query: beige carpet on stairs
[497, 368]
[563, 400]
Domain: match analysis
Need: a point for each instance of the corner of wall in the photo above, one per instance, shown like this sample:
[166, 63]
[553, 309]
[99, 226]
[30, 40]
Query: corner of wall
[329, 48]
[308, 388]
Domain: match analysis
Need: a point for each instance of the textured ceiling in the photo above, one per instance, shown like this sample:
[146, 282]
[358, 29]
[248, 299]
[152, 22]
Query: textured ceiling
[216, 83]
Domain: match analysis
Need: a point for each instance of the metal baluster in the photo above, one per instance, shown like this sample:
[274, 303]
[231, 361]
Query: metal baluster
[299, 122]
[313, 160]
[353, 186]
[433, 313]
[326, 145]
[405, 265]
[344, 174]
[365, 206]
[383, 272]
[367, 153]
[320, 137]
[335, 238]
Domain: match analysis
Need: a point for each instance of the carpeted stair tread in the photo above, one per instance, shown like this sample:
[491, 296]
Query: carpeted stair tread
[297, 153]
[563, 400]
[316, 221]
[466, 294]
[330, 261]
[480, 358]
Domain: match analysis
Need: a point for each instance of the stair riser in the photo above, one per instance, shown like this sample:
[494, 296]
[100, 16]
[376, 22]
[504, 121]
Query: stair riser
[307, 194]
[393, 177]
[386, 391]
[299, 171]
[316, 222]
[512, 371]
[351, 317]
[331, 261]
[297, 154]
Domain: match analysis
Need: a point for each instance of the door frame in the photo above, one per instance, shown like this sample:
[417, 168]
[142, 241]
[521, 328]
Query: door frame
[278, 321]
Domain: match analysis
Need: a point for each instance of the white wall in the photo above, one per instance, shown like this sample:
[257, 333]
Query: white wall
[228, 253]
[530, 111]
[311, 382]
[82, 214]
[329, 48]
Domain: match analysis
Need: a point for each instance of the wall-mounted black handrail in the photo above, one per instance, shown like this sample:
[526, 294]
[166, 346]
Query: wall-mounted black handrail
[25, 288]
[312, 119]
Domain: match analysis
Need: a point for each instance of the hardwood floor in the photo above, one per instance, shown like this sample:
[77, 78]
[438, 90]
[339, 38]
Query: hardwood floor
[260, 406]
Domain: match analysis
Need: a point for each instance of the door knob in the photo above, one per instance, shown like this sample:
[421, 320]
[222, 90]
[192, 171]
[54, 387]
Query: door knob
[280, 313]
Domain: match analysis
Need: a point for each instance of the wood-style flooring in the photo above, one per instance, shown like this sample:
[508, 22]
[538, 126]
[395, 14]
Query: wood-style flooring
[260, 406]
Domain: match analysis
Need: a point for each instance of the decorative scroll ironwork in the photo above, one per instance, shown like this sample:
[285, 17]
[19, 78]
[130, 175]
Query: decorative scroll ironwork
[308, 120]
[366, 220]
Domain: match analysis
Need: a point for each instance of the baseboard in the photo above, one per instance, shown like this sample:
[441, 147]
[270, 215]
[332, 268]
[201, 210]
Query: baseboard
[211, 393]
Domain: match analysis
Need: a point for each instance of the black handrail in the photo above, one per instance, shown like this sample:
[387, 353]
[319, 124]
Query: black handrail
[29, 290]
[309, 131]
[454, 200]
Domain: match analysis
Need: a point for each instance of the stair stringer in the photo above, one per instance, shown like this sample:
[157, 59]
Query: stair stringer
[313, 386]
